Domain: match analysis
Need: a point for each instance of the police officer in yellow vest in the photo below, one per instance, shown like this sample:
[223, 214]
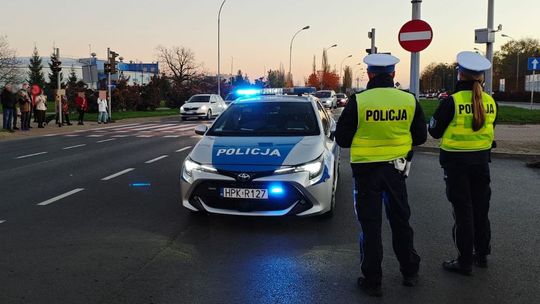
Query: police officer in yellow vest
[465, 121]
[380, 125]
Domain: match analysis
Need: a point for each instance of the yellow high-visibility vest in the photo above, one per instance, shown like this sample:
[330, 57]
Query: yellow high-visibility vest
[383, 134]
[459, 136]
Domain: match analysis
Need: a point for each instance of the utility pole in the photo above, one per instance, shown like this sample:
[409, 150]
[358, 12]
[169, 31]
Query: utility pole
[414, 86]
[371, 35]
[489, 46]
[219, 48]
[57, 67]
[109, 83]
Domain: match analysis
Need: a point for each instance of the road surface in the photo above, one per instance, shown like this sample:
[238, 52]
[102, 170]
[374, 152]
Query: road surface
[94, 217]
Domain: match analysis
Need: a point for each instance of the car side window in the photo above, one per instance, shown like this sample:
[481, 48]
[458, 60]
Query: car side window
[324, 118]
[212, 99]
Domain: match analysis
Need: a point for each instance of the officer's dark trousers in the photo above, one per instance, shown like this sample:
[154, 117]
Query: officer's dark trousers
[467, 188]
[375, 185]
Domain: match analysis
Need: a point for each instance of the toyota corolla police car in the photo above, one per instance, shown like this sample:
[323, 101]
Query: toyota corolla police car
[264, 156]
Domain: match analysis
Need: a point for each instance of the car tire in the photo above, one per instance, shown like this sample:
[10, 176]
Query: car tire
[209, 115]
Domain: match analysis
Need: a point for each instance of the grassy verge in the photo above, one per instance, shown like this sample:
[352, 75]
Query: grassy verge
[507, 114]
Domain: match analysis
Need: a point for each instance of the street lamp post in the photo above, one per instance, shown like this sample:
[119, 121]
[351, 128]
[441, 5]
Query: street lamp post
[517, 64]
[290, 49]
[341, 66]
[219, 50]
[323, 66]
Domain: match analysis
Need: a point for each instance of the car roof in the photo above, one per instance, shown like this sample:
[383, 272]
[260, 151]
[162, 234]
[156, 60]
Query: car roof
[203, 95]
[276, 98]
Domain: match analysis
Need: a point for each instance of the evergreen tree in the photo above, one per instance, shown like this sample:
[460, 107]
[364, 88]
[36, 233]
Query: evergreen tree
[35, 75]
[52, 85]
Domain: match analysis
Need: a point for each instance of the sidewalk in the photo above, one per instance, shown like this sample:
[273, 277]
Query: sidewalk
[513, 141]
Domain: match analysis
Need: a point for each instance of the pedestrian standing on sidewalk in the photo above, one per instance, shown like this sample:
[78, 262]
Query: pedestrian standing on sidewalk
[65, 110]
[25, 107]
[82, 107]
[465, 121]
[8, 105]
[102, 107]
[40, 99]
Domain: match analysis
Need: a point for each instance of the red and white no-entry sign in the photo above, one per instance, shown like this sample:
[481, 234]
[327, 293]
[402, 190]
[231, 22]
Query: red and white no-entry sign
[415, 35]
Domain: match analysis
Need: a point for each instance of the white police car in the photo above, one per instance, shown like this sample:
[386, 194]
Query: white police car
[264, 156]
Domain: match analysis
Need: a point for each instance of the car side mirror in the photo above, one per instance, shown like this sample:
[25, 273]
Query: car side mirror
[201, 129]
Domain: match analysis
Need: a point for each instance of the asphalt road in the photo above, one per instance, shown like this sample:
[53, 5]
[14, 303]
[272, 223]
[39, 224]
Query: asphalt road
[110, 241]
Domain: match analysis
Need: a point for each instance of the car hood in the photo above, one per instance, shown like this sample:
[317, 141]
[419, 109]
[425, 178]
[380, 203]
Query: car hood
[325, 99]
[256, 153]
[196, 104]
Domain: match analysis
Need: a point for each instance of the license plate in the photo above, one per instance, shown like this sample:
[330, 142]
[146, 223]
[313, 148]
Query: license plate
[243, 193]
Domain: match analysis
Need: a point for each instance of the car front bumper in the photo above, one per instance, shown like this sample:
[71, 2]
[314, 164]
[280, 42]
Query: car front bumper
[300, 197]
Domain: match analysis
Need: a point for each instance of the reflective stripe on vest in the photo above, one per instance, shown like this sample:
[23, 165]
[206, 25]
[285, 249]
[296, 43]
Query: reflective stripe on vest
[459, 136]
[384, 121]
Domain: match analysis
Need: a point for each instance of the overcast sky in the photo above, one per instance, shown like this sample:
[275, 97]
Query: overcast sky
[256, 32]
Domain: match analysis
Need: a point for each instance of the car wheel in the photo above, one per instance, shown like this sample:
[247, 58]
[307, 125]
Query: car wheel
[209, 115]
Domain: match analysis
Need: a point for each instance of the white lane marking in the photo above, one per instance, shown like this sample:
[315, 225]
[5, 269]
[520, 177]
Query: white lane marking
[409, 36]
[120, 136]
[117, 174]
[168, 128]
[73, 147]
[105, 140]
[156, 159]
[183, 149]
[2, 221]
[144, 136]
[171, 136]
[96, 135]
[126, 129]
[71, 135]
[180, 129]
[59, 197]
[196, 136]
[151, 127]
[50, 135]
[30, 155]
[112, 127]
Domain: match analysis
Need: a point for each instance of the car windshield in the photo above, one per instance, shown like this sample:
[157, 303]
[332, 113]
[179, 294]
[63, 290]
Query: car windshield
[199, 98]
[340, 95]
[267, 119]
[322, 94]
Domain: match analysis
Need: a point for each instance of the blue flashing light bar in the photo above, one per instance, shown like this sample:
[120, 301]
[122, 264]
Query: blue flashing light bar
[140, 185]
[248, 92]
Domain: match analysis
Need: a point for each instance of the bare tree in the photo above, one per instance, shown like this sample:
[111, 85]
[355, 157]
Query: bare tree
[8, 62]
[179, 63]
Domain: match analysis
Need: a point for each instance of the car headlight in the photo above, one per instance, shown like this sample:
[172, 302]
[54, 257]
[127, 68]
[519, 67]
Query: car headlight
[314, 168]
[190, 166]
[204, 108]
[182, 109]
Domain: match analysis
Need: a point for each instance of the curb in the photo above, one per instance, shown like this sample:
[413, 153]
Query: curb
[503, 155]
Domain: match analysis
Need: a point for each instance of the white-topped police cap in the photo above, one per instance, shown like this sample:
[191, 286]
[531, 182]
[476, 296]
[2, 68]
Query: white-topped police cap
[473, 62]
[378, 63]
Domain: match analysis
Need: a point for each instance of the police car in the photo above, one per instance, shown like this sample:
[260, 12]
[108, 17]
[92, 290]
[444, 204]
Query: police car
[264, 156]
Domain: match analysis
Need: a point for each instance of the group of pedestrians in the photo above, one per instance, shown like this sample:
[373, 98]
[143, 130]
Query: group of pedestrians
[30, 102]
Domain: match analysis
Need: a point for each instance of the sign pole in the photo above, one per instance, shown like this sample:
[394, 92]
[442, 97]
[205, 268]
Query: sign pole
[414, 86]
[109, 85]
[59, 85]
[532, 88]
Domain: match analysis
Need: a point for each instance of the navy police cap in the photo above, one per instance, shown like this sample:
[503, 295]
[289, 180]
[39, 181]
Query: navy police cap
[381, 63]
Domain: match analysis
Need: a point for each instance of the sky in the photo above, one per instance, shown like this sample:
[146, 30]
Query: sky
[255, 34]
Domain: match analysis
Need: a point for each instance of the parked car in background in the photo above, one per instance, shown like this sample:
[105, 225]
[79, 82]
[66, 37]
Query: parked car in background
[327, 98]
[342, 99]
[442, 95]
[202, 106]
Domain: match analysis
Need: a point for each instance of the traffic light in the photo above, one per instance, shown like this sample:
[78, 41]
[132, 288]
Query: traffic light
[56, 65]
[107, 66]
[112, 61]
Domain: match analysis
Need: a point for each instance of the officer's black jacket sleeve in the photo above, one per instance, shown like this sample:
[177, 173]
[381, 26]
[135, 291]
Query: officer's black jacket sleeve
[442, 117]
[418, 126]
[347, 124]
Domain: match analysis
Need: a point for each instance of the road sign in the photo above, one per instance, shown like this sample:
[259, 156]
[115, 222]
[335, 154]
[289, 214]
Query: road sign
[533, 63]
[415, 35]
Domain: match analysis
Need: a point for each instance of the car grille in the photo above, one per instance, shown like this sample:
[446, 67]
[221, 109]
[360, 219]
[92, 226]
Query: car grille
[190, 109]
[209, 193]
